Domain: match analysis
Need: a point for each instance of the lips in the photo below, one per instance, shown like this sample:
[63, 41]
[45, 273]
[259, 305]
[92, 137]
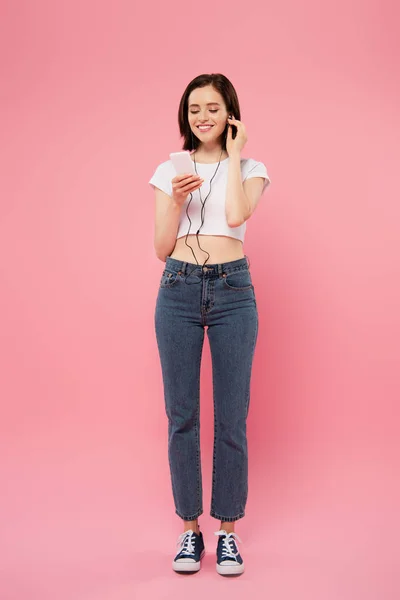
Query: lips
[205, 127]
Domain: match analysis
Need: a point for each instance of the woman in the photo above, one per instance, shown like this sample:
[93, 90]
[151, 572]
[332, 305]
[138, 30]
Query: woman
[219, 296]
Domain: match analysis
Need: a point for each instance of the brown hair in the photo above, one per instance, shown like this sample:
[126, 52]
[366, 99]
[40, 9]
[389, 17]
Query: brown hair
[227, 91]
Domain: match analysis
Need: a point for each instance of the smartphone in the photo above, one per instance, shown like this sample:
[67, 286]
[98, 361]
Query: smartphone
[182, 162]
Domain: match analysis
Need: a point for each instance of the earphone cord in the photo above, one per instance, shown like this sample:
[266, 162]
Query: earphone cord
[202, 216]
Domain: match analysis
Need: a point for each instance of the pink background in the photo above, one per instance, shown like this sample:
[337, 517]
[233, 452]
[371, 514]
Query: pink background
[89, 100]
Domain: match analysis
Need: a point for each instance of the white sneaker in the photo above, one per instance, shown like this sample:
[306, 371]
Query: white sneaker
[191, 551]
[229, 561]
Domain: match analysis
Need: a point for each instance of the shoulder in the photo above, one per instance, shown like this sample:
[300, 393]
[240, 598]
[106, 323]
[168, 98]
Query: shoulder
[165, 166]
[162, 176]
[248, 164]
[255, 168]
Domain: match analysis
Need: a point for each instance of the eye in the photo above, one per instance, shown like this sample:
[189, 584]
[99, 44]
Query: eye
[194, 112]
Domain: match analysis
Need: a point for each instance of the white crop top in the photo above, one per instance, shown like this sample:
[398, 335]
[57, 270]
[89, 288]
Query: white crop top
[214, 209]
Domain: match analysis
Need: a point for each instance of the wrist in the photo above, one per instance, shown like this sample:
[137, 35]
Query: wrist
[176, 205]
[235, 156]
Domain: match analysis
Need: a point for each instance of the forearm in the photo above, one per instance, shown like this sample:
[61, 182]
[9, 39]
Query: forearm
[237, 205]
[166, 230]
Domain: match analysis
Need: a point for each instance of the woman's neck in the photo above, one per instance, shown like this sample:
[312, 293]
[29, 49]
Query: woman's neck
[209, 156]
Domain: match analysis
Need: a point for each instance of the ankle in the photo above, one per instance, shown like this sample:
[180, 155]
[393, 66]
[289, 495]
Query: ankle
[193, 525]
[229, 526]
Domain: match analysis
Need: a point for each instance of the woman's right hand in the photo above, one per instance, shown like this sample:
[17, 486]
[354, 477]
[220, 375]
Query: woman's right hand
[182, 185]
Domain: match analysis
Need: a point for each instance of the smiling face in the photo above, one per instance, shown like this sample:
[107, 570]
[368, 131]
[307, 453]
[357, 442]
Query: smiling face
[207, 114]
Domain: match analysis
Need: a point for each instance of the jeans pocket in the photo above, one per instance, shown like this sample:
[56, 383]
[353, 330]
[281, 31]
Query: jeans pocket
[238, 280]
[168, 278]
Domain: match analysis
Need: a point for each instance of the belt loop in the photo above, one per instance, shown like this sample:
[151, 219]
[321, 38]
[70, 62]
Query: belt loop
[248, 261]
[184, 268]
[219, 270]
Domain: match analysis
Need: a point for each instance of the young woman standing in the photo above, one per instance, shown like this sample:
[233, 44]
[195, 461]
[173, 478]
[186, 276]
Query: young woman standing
[208, 286]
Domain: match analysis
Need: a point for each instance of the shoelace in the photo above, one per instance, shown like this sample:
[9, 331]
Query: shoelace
[185, 542]
[228, 550]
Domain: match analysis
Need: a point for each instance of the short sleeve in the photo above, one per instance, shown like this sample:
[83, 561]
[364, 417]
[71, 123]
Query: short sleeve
[257, 169]
[162, 179]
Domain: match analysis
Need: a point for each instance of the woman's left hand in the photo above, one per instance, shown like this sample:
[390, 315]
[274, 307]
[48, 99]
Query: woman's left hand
[235, 146]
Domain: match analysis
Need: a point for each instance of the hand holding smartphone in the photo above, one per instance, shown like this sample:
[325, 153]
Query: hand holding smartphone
[186, 179]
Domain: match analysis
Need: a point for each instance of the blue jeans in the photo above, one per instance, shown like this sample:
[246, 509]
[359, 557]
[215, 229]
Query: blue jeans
[221, 297]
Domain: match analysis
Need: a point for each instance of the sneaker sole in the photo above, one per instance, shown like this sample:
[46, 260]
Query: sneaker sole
[230, 569]
[187, 567]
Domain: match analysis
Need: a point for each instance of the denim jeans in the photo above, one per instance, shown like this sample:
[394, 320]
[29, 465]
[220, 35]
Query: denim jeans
[220, 297]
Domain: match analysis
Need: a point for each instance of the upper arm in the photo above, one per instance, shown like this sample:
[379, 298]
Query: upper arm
[161, 183]
[253, 189]
[162, 202]
[255, 182]
[164, 241]
[162, 179]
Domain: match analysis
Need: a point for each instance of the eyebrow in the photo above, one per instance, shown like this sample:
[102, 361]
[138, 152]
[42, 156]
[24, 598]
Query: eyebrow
[208, 104]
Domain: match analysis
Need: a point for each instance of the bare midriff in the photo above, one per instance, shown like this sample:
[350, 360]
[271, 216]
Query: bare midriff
[221, 249]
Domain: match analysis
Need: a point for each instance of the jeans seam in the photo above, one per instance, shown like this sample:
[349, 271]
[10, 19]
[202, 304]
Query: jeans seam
[190, 517]
[213, 491]
[198, 466]
[226, 519]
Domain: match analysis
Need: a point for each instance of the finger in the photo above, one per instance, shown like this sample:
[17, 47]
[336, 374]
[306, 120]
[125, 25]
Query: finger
[180, 184]
[186, 177]
[236, 123]
[192, 186]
